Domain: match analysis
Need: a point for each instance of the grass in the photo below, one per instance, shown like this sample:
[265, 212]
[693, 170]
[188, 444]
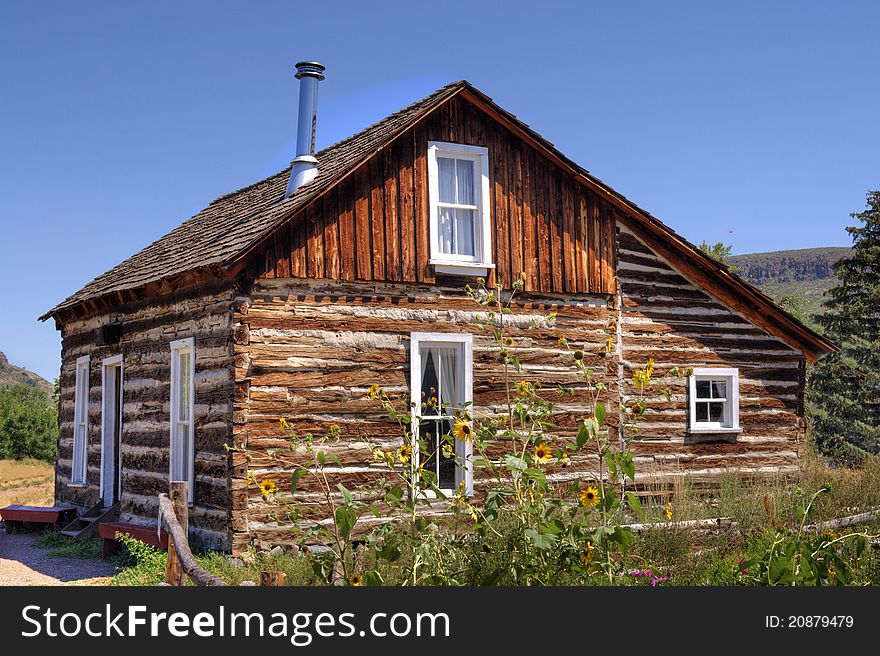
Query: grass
[145, 566]
[62, 546]
[26, 483]
[692, 557]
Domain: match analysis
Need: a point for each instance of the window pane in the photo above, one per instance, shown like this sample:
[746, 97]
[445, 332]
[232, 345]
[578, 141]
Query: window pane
[448, 380]
[432, 432]
[183, 387]
[180, 458]
[464, 232]
[446, 171]
[430, 384]
[447, 230]
[716, 412]
[703, 389]
[702, 412]
[465, 178]
[719, 389]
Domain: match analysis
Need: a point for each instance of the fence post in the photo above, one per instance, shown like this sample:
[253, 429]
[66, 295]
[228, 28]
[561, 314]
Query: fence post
[272, 578]
[177, 491]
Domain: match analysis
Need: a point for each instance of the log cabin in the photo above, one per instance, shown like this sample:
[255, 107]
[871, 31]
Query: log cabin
[292, 296]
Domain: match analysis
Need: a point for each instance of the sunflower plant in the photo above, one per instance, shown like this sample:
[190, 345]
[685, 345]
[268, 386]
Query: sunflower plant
[577, 527]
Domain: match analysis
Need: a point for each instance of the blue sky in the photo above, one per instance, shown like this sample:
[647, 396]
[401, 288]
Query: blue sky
[754, 123]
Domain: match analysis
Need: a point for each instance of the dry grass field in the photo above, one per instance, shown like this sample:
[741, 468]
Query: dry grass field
[26, 483]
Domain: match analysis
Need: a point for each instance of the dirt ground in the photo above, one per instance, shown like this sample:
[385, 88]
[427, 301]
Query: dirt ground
[23, 563]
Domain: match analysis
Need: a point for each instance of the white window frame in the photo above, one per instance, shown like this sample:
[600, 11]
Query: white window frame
[481, 262]
[79, 460]
[179, 347]
[107, 425]
[730, 422]
[464, 469]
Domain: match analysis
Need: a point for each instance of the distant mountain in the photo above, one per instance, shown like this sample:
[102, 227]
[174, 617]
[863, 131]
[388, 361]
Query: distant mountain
[11, 375]
[804, 273]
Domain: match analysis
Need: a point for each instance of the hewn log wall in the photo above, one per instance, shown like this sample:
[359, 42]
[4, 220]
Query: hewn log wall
[374, 226]
[204, 313]
[667, 318]
[309, 351]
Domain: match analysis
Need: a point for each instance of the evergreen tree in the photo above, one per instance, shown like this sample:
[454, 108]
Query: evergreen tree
[719, 251]
[844, 389]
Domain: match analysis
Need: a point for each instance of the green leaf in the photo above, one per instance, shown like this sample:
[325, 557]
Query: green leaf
[633, 502]
[320, 456]
[540, 540]
[622, 536]
[778, 568]
[627, 465]
[294, 478]
[582, 436]
[600, 413]
[345, 493]
[609, 500]
[394, 495]
[372, 577]
[345, 520]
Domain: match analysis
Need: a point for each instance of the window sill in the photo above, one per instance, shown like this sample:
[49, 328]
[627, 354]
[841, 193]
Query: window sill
[719, 430]
[432, 495]
[456, 268]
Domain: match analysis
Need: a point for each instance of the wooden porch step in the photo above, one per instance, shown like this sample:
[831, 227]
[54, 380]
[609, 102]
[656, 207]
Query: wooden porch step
[14, 516]
[147, 534]
[87, 523]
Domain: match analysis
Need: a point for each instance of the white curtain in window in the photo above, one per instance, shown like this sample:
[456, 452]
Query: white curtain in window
[447, 230]
[446, 366]
[464, 177]
[464, 232]
[446, 168]
[448, 378]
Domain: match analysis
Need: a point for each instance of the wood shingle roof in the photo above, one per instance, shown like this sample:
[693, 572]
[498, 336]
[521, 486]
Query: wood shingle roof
[233, 223]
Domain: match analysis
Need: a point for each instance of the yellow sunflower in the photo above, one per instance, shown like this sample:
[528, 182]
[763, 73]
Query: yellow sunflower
[542, 453]
[589, 497]
[282, 424]
[374, 391]
[523, 387]
[462, 431]
[267, 487]
[447, 450]
[667, 512]
[587, 553]
[356, 580]
[404, 453]
[608, 344]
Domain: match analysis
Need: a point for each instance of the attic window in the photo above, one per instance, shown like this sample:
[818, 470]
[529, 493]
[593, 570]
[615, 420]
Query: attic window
[458, 183]
[714, 401]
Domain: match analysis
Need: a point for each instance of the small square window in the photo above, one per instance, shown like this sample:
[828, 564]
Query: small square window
[714, 401]
[458, 182]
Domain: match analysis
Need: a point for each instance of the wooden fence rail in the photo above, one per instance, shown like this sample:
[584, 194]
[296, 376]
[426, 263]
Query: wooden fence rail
[174, 512]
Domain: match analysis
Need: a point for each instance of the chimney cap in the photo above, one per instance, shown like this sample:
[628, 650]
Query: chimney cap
[310, 69]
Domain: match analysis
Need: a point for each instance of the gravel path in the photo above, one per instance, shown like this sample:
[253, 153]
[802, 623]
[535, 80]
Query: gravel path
[23, 563]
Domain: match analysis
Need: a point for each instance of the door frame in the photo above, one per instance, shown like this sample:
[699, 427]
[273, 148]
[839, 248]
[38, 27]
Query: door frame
[106, 427]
